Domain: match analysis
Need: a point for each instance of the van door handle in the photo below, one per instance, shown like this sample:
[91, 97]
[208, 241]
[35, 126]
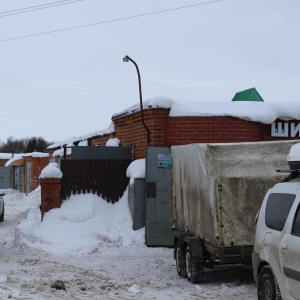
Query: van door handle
[284, 246]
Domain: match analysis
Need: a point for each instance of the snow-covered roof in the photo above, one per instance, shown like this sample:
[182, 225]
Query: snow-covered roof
[263, 112]
[156, 102]
[35, 154]
[108, 130]
[14, 159]
[5, 155]
[20, 157]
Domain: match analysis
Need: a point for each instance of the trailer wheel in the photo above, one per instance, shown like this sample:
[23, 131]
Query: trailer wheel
[180, 261]
[194, 270]
[267, 288]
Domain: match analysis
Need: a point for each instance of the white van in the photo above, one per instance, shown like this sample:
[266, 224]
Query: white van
[276, 255]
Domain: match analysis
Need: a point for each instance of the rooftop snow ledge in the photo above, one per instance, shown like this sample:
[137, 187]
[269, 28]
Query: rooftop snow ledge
[251, 111]
[108, 130]
[263, 112]
[51, 171]
[156, 102]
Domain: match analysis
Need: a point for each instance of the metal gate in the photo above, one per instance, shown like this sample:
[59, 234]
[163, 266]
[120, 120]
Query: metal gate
[5, 177]
[158, 213]
[104, 175]
[18, 180]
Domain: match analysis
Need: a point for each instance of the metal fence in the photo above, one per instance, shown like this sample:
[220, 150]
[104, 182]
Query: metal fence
[104, 177]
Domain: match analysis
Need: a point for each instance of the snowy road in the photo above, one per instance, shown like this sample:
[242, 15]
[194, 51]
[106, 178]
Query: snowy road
[107, 272]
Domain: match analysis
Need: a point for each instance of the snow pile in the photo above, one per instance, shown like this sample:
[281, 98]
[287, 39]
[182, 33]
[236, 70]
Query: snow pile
[134, 289]
[14, 199]
[51, 171]
[83, 143]
[85, 223]
[113, 142]
[136, 170]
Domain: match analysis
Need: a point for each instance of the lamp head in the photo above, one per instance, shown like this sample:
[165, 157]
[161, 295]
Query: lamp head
[125, 58]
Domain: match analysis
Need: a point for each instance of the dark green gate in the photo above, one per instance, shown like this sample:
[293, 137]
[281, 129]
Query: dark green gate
[101, 175]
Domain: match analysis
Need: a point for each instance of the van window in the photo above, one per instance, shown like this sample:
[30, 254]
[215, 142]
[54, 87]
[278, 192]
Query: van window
[296, 224]
[277, 209]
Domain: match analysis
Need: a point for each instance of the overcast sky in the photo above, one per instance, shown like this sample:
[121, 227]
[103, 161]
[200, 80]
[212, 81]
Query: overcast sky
[70, 83]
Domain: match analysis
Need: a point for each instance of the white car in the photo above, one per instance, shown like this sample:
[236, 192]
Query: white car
[1, 206]
[276, 254]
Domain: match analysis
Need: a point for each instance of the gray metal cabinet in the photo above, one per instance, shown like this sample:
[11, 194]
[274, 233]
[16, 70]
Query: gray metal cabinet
[158, 211]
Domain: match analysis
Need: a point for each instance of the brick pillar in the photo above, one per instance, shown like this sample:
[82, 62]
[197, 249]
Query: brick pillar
[50, 194]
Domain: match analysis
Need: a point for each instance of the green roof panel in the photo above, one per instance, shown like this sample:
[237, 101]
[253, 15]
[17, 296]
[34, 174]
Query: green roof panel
[248, 95]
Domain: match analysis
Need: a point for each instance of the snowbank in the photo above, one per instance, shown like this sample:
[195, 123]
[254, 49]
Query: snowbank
[85, 223]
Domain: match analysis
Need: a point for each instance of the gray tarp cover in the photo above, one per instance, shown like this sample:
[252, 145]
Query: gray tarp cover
[218, 188]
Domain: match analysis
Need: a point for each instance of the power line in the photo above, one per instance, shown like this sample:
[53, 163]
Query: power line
[109, 21]
[36, 7]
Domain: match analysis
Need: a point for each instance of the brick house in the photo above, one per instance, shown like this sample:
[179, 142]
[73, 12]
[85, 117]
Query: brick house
[165, 122]
[25, 170]
[247, 118]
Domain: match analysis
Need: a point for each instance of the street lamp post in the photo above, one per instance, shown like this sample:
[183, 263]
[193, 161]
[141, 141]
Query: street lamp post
[126, 58]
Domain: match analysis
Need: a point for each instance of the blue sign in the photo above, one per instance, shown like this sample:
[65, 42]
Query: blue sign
[164, 160]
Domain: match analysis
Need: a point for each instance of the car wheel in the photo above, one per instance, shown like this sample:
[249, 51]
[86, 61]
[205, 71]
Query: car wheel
[180, 261]
[194, 270]
[2, 215]
[267, 288]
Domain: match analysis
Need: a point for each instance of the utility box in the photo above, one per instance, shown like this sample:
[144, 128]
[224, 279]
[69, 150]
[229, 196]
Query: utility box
[158, 213]
[136, 201]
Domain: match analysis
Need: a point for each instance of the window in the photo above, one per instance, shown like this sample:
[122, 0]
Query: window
[296, 224]
[277, 209]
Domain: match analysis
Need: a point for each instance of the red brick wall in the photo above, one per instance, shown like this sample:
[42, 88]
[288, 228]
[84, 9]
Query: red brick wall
[187, 130]
[3, 162]
[50, 194]
[130, 130]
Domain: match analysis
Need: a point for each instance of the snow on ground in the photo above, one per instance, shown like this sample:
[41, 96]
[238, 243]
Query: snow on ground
[89, 245]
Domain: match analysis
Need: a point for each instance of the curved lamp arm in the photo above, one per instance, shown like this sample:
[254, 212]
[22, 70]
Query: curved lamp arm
[126, 59]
